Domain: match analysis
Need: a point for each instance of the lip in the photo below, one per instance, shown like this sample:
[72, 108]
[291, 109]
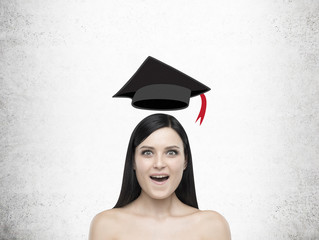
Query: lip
[159, 174]
[159, 183]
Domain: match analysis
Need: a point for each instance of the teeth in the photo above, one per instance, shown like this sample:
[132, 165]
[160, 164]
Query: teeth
[160, 176]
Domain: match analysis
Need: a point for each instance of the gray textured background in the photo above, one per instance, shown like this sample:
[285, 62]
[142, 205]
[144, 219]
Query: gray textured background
[63, 138]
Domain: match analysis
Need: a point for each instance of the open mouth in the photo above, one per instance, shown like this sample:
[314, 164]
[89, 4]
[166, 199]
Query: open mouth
[159, 178]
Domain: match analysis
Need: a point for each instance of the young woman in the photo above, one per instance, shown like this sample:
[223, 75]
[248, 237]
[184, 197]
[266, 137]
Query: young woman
[158, 199]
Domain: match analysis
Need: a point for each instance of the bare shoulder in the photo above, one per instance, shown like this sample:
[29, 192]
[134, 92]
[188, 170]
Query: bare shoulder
[214, 225]
[104, 225]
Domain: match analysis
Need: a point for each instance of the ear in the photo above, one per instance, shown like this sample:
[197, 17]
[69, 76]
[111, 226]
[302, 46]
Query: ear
[134, 166]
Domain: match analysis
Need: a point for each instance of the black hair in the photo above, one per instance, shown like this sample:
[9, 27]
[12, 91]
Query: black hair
[130, 187]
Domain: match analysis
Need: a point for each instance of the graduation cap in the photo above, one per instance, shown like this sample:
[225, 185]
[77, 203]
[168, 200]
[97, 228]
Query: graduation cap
[158, 86]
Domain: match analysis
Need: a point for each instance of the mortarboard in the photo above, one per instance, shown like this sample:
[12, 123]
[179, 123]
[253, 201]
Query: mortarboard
[158, 86]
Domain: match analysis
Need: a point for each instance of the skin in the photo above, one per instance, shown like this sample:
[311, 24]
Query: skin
[157, 213]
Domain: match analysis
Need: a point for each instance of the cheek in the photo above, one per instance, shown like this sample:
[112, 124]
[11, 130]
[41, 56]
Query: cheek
[141, 166]
[178, 166]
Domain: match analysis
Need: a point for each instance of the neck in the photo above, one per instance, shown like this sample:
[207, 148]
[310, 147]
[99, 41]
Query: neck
[157, 208]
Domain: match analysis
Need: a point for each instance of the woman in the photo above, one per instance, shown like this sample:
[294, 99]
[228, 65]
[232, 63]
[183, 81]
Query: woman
[158, 199]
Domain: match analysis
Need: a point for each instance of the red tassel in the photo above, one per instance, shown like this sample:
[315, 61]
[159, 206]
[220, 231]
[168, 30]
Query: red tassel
[201, 114]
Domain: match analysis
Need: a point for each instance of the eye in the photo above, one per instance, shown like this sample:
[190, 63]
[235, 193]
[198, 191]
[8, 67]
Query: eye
[172, 152]
[147, 153]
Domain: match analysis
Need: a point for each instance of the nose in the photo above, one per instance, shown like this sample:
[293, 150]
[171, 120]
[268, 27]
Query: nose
[159, 162]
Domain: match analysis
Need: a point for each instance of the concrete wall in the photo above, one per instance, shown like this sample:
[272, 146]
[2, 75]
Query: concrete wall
[64, 138]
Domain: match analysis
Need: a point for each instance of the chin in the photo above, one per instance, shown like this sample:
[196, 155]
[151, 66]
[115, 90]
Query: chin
[159, 195]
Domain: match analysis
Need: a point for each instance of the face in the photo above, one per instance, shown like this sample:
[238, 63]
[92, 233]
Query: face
[159, 163]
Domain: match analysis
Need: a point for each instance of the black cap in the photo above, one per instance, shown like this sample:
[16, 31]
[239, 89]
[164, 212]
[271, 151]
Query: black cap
[158, 86]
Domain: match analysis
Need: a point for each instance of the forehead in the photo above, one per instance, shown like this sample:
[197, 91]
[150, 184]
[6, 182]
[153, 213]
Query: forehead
[163, 137]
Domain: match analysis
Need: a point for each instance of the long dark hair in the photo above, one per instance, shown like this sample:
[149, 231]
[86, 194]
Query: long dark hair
[130, 187]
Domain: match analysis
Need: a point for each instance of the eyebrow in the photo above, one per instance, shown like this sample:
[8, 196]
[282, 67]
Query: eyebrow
[149, 147]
